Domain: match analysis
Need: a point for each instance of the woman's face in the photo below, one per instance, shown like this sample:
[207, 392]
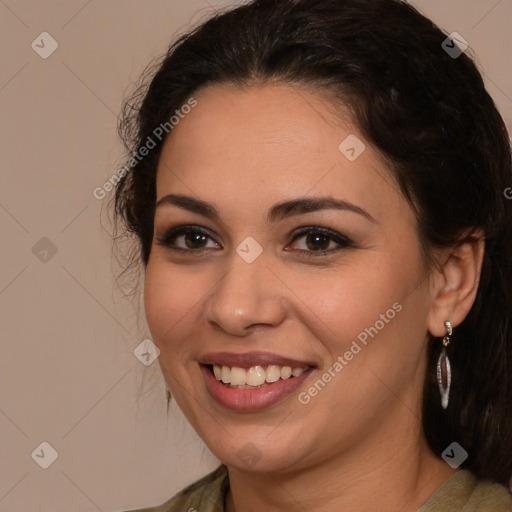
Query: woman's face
[278, 278]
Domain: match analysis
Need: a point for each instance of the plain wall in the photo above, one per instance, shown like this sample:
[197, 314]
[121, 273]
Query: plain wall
[68, 373]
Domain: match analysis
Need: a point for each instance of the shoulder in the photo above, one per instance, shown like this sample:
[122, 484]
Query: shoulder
[463, 492]
[205, 495]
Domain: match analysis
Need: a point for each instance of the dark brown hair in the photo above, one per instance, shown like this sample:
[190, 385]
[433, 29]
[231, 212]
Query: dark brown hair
[425, 111]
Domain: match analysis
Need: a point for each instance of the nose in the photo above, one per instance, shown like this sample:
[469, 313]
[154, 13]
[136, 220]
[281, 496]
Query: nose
[248, 296]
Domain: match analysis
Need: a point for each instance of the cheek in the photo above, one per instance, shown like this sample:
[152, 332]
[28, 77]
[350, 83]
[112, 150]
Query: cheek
[342, 304]
[169, 300]
[367, 315]
[157, 292]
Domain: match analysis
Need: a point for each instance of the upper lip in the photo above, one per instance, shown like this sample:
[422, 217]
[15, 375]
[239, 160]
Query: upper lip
[250, 359]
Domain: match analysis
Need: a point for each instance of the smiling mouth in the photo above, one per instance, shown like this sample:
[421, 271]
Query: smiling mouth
[255, 376]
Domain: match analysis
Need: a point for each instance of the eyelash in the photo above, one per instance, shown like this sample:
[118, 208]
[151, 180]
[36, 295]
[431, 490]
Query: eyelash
[344, 242]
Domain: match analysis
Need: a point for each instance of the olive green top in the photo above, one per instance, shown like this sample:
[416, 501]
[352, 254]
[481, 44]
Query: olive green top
[462, 492]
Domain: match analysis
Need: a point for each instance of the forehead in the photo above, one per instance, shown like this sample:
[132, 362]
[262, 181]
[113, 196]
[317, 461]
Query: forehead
[257, 144]
[273, 120]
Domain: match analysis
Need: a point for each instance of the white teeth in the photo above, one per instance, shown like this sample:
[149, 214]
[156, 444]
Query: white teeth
[225, 375]
[237, 376]
[273, 373]
[286, 372]
[254, 376]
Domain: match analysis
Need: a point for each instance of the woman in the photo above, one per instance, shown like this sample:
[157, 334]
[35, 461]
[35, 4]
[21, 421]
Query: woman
[318, 196]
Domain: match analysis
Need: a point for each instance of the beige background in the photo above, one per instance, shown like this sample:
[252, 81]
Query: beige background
[69, 375]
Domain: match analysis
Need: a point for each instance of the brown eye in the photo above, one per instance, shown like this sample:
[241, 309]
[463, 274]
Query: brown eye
[317, 242]
[194, 240]
[320, 242]
[187, 238]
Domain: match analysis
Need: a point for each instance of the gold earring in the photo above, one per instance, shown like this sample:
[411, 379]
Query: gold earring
[444, 371]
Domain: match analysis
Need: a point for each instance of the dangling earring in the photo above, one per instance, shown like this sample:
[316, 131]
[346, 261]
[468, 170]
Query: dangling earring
[444, 371]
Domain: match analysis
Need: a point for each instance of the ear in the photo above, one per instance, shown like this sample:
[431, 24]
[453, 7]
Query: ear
[454, 283]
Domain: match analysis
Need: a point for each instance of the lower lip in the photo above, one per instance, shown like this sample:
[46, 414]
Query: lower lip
[251, 399]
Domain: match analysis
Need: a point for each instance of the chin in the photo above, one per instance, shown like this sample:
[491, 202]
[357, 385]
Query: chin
[248, 453]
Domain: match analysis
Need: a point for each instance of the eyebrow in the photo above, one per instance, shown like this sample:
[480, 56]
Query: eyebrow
[278, 212]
